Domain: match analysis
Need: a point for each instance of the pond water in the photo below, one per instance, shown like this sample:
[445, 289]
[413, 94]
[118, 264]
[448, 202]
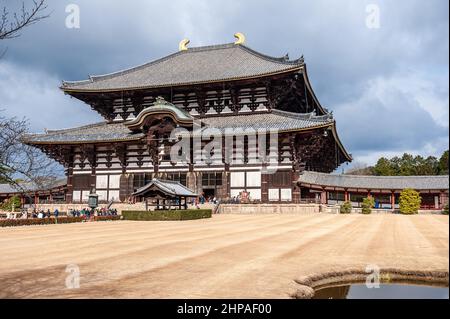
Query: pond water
[386, 291]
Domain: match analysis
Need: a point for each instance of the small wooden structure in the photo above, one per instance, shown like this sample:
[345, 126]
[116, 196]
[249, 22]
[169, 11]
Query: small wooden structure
[165, 193]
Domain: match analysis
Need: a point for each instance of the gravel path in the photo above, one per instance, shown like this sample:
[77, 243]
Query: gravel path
[229, 256]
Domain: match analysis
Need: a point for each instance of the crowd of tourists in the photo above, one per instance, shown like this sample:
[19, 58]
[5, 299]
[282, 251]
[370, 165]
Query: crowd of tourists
[40, 213]
[87, 212]
[202, 199]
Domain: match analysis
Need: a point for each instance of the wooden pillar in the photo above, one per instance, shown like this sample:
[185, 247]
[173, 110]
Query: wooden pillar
[442, 200]
[179, 202]
[92, 179]
[227, 185]
[392, 200]
[50, 198]
[199, 183]
[323, 197]
[69, 196]
[264, 188]
[295, 188]
[346, 196]
[191, 181]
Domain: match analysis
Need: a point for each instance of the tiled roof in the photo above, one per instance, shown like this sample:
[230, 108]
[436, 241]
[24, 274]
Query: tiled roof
[168, 187]
[8, 189]
[279, 120]
[196, 65]
[109, 132]
[375, 182]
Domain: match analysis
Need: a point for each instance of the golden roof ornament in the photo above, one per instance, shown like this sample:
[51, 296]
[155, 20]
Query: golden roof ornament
[240, 38]
[183, 44]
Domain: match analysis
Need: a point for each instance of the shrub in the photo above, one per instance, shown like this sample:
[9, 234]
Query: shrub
[367, 204]
[346, 208]
[410, 201]
[8, 204]
[445, 210]
[167, 214]
[39, 221]
[106, 218]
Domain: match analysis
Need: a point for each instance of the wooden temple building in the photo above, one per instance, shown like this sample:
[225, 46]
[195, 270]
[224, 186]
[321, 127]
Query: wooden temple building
[220, 87]
[229, 89]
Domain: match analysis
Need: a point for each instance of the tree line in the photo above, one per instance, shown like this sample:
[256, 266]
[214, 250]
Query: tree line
[406, 165]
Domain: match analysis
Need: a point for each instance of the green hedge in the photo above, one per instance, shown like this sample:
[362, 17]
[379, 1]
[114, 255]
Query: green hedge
[39, 221]
[167, 214]
[106, 218]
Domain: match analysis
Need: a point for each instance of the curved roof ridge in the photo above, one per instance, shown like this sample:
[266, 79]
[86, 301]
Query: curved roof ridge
[306, 116]
[160, 105]
[280, 60]
[112, 75]
[63, 130]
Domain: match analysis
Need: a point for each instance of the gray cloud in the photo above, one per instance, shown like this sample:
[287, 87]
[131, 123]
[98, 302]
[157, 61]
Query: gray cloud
[388, 87]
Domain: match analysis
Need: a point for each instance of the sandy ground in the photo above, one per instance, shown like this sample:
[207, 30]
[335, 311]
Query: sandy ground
[229, 256]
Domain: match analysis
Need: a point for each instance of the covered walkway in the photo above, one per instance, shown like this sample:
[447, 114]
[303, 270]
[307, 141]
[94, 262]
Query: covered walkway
[336, 189]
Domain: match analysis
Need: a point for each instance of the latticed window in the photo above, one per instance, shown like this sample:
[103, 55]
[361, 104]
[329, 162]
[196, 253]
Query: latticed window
[177, 177]
[280, 179]
[141, 180]
[212, 179]
[81, 182]
[339, 196]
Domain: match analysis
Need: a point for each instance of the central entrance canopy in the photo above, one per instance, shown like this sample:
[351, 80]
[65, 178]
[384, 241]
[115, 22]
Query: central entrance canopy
[165, 193]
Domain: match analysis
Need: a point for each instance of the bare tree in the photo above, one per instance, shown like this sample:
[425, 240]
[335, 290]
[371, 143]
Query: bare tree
[23, 166]
[359, 168]
[11, 23]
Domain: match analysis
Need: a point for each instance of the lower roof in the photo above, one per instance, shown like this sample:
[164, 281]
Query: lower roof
[117, 132]
[374, 182]
[30, 187]
[170, 188]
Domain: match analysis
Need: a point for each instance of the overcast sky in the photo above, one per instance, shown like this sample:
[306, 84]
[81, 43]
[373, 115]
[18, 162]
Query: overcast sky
[388, 87]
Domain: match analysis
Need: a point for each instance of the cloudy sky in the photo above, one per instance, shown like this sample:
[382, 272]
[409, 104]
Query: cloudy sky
[388, 86]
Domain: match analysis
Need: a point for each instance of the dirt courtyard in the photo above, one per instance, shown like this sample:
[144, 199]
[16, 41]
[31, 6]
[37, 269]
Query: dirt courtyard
[228, 256]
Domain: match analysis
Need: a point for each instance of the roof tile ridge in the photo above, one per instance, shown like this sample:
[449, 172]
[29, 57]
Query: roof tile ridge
[55, 131]
[297, 62]
[305, 116]
[387, 177]
[211, 47]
